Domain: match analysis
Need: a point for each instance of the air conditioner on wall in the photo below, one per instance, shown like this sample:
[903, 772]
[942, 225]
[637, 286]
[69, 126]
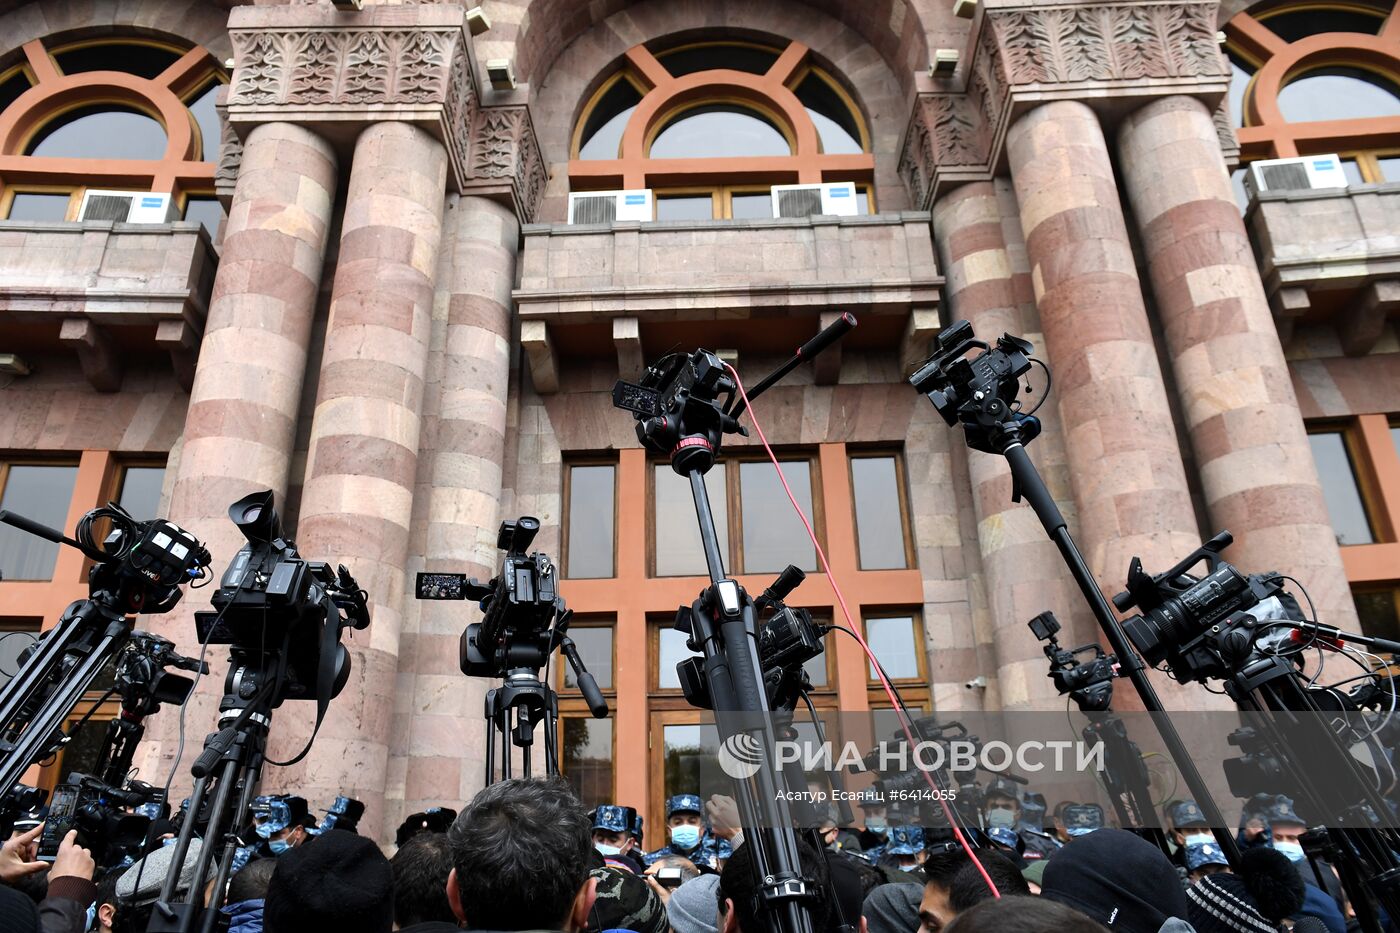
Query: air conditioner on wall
[132, 207]
[805, 200]
[603, 207]
[1321, 171]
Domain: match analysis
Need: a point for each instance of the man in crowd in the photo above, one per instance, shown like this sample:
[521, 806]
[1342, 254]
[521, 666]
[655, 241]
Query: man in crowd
[969, 887]
[875, 829]
[420, 867]
[942, 862]
[905, 851]
[1080, 819]
[343, 813]
[431, 820]
[738, 891]
[612, 836]
[282, 821]
[685, 823]
[341, 882]
[1196, 848]
[521, 852]
[1118, 879]
[1001, 810]
[1323, 896]
[247, 891]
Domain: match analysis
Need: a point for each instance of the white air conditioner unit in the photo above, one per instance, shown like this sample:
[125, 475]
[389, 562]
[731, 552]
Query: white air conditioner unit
[603, 207]
[133, 207]
[1322, 171]
[805, 200]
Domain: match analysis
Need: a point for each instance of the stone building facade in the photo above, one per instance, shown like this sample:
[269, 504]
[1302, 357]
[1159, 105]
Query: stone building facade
[369, 300]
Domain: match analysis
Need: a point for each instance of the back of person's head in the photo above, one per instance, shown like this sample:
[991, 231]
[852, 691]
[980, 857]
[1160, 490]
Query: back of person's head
[849, 890]
[251, 881]
[520, 857]
[1116, 877]
[738, 885]
[892, 908]
[625, 902]
[421, 867]
[969, 888]
[337, 881]
[1023, 915]
[106, 902]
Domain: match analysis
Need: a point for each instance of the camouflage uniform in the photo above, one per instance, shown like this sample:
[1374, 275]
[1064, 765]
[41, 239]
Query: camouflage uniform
[710, 850]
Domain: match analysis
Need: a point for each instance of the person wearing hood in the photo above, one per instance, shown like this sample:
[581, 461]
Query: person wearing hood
[1119, 879]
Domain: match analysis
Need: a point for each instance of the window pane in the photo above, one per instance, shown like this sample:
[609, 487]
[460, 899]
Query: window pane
[671, 651]
[595, 650]
[879, 519]
[1353, 172]
[84, 746]
[836, 125]
[748, 206]
[892, 640]
[29, 205]
[1344, 505]
[675, 528]
[140, 493]
[682, 62]
[773, 534]
[590, 531]
[602, 131]
[102, 132]
[207, 119]
[1395, 437]
[1338, 94]
[207, 211]
[687, 768]
[816, 667]
[144, 61]
[1379, 615]
[15, 636]
[719, 130]
[685, 207]
[41, 493]
[862, 201]
[586, 759]
[12, 87]
[1390, 167]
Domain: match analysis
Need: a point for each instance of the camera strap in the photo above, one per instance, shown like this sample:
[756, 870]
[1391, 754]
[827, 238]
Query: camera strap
[325, 678]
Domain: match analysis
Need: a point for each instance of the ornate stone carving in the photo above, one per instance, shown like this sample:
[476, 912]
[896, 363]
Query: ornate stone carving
[1225, 130]
[504, 147]
[358, 66]
[230, 153]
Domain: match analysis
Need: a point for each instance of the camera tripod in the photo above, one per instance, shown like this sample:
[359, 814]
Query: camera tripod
[231, 764]
[679, 414]
[89, 634]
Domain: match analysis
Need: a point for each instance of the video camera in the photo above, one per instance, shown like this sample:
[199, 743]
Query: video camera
[979, 392]
[96, 810]
[1208, 627]
[1088, 683]
[274, 606]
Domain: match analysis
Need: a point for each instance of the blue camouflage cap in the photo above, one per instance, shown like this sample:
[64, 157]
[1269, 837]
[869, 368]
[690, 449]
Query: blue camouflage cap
[905, 840]
[1185, 813]
[343, 811]
[636, 828]
[1083, 818]
[1207, 853]
[684, 803]
[1004, 837]
[612, 818]
[270, 815]
[1281, 811]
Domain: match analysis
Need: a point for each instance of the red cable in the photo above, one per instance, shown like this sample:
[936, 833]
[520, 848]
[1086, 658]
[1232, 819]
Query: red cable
[855, 630]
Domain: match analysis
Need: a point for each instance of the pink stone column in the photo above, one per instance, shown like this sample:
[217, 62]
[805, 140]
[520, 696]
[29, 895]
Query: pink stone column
[241, 422]
[1125, 462]
[361, 465]
[1257, 470]
[437, 748]
[982, 254]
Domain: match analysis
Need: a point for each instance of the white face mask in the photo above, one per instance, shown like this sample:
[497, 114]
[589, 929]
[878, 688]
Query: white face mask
[1001, 817]
[1294, 850]
[606, 850]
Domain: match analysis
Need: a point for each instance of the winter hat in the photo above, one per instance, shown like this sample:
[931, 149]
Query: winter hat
[893, 908]
[18, 913]
[625, 902]
[1220, 903]
[151, 870]
[693, 907]
[337, 881]
[1118, 879]
[1272, 880]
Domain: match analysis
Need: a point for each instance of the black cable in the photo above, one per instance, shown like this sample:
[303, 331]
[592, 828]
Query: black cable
[88, 715]
[1048, 382]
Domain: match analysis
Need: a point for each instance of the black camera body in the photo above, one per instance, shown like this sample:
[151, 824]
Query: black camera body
[679, 410]
[96, 810]
[517, 605]
[980, 392]
[1203, 628]
[141, 566]
[272, 603]
[1089, 683]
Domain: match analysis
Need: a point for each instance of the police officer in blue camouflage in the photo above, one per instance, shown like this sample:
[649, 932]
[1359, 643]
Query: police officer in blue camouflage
[1001, 809]
[1204, 859]
[905, 850]
[690, 837]
[281, 822]
[612, 836]
[635, 831]
[343, 813]
[1080, 819]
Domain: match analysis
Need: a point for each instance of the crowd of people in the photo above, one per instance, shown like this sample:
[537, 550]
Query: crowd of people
[525, 854]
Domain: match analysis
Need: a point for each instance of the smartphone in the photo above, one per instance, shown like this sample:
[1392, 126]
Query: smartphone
[668, 877]
[62, 810]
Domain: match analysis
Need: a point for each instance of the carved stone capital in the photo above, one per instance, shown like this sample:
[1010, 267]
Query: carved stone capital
[1110, 55]
[506, 161]
[312, 65]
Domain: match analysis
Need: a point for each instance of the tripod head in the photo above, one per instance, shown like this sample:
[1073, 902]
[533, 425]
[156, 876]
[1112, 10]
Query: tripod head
[981, 392]
[1088, 683]
[142, 680]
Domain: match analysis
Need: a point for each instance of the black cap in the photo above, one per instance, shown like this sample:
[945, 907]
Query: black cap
[338, 881]
[1116, 878]
[431, 820]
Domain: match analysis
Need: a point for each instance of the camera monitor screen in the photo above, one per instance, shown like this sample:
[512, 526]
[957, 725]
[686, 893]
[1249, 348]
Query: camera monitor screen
[441, 586]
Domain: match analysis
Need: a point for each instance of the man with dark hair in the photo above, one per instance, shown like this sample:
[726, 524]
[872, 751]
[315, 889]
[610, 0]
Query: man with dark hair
[738, 889]
[969, 888]
[421, 867]
[942, 862]
[521, 852]
[247, 891]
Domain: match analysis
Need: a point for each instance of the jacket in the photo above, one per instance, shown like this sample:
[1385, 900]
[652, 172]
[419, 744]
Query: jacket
[245, 916]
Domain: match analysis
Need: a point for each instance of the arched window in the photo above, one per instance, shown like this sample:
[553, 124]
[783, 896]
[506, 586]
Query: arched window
[130, 114]
[1309, 80]
[711, 126]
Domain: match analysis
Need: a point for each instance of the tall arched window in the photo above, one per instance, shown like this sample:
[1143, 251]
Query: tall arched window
[1312, 79]
[711, 126]
[130, 114]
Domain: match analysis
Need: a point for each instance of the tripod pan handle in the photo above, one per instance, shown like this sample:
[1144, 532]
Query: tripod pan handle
[826, 338]
[593, 696]
[34, 528]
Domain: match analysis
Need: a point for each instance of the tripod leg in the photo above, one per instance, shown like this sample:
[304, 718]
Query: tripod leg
[247, 783]
[551, 735]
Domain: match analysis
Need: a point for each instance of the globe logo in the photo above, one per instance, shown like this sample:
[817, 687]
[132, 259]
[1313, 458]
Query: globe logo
[740, 756]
